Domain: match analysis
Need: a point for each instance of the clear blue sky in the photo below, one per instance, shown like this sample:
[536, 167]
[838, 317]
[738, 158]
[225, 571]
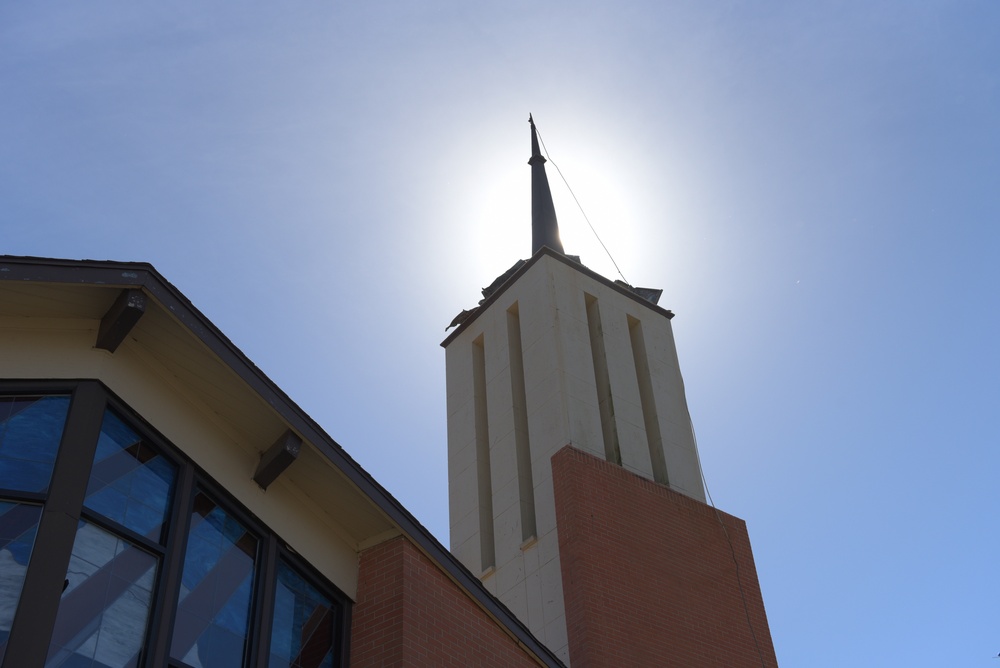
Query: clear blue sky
[815, 185]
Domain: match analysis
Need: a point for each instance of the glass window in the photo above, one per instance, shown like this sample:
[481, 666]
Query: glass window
[106, 614]
[30, 430]
[130, 482]
[105, 603]
[212, 624]
[18, 524]
[303, 632]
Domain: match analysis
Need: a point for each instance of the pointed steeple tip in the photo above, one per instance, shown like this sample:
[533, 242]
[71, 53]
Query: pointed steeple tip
[544, 227]
[536, 154]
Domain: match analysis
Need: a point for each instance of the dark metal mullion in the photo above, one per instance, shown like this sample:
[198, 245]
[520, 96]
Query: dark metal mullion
[266, 587]
[22, 497]
[42, 387]
[122, 532]
[177, 663]
[168, 591]
[345, 610]
[31, 631]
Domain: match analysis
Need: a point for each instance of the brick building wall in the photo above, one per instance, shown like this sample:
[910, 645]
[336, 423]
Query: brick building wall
[648, 574]
[409, 613]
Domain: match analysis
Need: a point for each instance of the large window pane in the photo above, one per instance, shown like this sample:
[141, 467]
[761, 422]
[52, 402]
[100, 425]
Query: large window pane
[303, 631]
[18, 524]
[105, 605]
[30, 430]
[213, 616]
[130, 482]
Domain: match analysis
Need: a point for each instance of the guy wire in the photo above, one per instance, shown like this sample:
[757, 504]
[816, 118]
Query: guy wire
[580, 206]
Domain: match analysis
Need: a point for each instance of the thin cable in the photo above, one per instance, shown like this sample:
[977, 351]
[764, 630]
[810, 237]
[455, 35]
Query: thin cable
[732, 551]
[579, 206]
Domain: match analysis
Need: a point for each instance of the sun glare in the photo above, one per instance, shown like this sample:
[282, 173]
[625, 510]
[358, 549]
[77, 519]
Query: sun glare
[502, 215]
[500, 210]
[626, 203]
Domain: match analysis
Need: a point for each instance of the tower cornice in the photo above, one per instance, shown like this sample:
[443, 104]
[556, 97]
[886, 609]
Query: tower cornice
[559, 257]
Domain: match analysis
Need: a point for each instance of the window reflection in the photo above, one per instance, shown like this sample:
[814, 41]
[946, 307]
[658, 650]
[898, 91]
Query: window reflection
[130, 482]
[213, 617]
[18, 524]
[303, 631]
[108, 606]
[104, 608]
[30, 430]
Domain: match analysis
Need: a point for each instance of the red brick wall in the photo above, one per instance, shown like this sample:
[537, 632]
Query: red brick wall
[648, 575]
[408, 613]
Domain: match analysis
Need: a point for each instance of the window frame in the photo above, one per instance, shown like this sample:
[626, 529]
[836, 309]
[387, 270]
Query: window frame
[63, 508]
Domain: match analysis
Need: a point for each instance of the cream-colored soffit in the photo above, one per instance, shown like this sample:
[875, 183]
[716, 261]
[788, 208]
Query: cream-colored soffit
[172, 355]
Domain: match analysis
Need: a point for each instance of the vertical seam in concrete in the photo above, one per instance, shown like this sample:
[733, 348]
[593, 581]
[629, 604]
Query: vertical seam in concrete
[526, 487]
[485, 486]
[605, 403]
[648, 402]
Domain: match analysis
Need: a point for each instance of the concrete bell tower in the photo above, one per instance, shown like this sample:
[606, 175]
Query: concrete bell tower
[563, 386]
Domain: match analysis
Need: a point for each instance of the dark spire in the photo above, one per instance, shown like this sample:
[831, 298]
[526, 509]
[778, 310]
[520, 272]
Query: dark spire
[544, 227]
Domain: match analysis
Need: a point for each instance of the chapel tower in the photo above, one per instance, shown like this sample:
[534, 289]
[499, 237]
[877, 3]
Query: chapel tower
[575, 489]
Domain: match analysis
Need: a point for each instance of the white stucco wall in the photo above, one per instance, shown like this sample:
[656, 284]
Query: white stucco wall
[562, 408]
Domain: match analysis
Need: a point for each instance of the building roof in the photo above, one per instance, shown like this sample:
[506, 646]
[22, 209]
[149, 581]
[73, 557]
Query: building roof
[183, 336]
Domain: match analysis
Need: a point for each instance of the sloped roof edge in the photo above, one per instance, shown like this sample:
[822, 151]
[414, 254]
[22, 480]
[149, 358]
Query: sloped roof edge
[143, 275]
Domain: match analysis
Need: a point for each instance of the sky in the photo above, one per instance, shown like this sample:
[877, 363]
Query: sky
[815, 186]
